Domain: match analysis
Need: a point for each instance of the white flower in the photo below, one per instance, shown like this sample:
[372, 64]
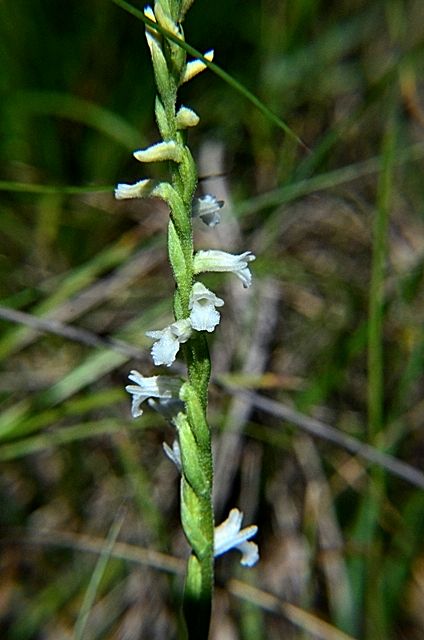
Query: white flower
[186, 118]
[168, 341]
[228, 536]
[204, 316]
[140, 189]
[196, 66]
[173, 454]
[207, 208]
[214, 260]
[149, 189]
[160, 151]
[161, 387]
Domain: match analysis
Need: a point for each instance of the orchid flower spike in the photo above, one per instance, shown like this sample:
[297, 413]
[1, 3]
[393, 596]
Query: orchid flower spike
[168, 341]
[214, 260]
[229, 536]
[204, 316]
[207, 209]
[161, 387]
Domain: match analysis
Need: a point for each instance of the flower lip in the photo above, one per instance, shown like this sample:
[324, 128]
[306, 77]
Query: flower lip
[203, 315]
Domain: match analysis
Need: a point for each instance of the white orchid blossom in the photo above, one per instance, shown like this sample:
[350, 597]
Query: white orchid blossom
[159, 152]
[229, 536]
[186, 118]
[203, 315]
[168, 341]
[214, 260]
[161, 387]
[207, 209]
[140, 189]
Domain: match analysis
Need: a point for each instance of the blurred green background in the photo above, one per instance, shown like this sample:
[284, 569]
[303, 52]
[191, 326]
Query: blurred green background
[332, 327]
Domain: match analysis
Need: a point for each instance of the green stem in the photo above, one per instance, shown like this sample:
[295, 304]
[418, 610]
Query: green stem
[193, 430]
[196, 484]
[374, 621]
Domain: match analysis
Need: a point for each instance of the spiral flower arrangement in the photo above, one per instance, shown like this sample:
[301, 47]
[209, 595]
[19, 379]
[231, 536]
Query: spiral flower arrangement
[184, 402]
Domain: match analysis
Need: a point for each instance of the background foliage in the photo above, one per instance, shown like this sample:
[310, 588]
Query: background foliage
[333, 326]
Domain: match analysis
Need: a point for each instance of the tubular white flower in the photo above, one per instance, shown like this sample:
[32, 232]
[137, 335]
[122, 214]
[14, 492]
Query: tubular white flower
[214, 260]
[159, 152]
[229, 536]
[173, 454]
[196, 66]
[204, 316]
[186, 118]
[140, 189]
[207, 209]
[168, 341]
[160, 387]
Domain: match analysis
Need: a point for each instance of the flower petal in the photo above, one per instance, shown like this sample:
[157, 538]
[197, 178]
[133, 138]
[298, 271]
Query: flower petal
[250, 553]
[166, 347]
